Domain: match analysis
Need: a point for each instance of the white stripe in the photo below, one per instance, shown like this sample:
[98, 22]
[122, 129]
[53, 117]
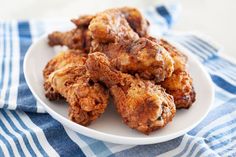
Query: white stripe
[156, 29]
[39, 133]
[223, 138]
[40, 108]
[178, 149]
[208, 150]
[224, 63]
[114, 148]
[1, 51]
[230, 150]
[221, 69]
[215, 123]
[6, 68]
[196, 52]
[191, 144]
[84, 147]
[17, 135]
[26, 132]
[15, 68]
[11, 142]
[204, 130]
[34, 37]
[4, 149]
[193, 44]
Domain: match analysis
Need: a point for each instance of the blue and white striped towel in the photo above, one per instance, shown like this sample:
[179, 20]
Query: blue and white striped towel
[25, 130]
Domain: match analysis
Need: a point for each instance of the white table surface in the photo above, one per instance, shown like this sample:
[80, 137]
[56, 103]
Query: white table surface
[215, 18]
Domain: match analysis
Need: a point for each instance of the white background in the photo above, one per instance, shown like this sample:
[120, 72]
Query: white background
[215, 18]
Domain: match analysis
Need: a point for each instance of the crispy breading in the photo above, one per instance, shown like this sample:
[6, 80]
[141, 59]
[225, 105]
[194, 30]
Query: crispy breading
[179, 85]
[87, 100]
[59, 61]
[142, 105]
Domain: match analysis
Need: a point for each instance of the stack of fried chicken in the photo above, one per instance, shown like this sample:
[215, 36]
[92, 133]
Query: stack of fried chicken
[111, 53]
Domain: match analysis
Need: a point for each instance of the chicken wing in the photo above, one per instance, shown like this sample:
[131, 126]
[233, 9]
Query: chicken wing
[80, 37]
[87, 100]
[179, 85]
[113, 36]
[59, 61]
[142, 105]
[136, 21]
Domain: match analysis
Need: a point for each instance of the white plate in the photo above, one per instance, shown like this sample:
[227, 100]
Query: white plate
[109, 126]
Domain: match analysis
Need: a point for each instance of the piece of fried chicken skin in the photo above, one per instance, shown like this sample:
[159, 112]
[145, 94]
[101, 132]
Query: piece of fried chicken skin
[113, 36]
[180, 84]
[87, 100]
[142, 105]
[80, 37]
[75, 57]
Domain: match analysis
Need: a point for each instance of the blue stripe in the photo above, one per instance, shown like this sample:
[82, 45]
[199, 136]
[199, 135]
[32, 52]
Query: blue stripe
[98, 147]
[152, 149]
[192, 50]
[215, 114]
[23, 125]
[10, 70]
[19, 132]
[219, 136]
[1, 152]
[204, 43]
[164, 13]
[156, 21]
[25, 99]
[228, 149]
[201, 151]
[7, 145]
[219, 81]
[199, 49]
[185, 148]
[4, 56]
[14, 138]
[55, 134]
[219, 127]
[194, 147]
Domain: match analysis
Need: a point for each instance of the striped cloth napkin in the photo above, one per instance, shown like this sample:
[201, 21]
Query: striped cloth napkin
[26, 130]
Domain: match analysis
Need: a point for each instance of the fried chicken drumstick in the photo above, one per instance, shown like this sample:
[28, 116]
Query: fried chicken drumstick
[61, 60]
[179, 85]
[127, 52]
[142, 105]
[87, 100]
[66, 76]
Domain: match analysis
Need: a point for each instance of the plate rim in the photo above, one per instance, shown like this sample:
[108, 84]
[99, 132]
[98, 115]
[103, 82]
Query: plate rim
[99, 135]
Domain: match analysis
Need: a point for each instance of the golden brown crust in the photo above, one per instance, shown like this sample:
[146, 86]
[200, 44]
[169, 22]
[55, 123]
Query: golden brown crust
[59, 61]
[142, 105]
[78, 39]
[111, 26]
[179, 85]
[83, 21]
[136, 21]
[87, 100]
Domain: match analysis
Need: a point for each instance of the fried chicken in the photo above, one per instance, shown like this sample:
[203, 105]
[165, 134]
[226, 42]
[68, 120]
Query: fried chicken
[111, 26]
[80, 37]
[87, 100]
[142, 105]
[179, 85]
[61, 60]
[136, 21]
[113, 36]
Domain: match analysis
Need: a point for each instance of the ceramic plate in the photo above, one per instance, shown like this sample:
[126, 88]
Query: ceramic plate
[109, 126]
